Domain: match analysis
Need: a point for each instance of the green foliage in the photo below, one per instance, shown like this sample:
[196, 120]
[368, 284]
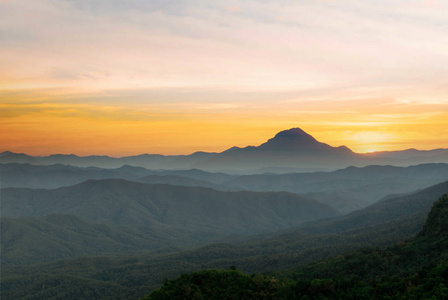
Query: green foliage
[417, 269]
[232, 284]
[365, 185]
[437, 222]
[31, 240]
[196, 212]
[416, 266]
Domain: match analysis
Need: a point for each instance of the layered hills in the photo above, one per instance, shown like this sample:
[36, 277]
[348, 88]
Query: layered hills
[56, 236]
[54, 176]
[345, 190]
[289, 150]
[198, 214]
[360, 185]
[415, 269]
[99, 227]
[132, 276]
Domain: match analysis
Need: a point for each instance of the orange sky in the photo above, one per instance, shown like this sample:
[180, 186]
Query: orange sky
[127, 77]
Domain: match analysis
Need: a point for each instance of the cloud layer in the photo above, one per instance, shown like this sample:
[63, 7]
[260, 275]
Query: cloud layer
[252, 64]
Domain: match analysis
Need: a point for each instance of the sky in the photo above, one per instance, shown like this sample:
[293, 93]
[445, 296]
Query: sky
[126, 77]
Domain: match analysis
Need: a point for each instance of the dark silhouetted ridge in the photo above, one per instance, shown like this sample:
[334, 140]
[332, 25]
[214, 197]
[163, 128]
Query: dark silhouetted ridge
[437, 221]
[294, 138]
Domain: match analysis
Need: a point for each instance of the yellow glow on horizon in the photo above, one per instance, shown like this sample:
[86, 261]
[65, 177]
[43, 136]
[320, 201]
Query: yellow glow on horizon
[43, 128]
[370, 151]
[189, 77]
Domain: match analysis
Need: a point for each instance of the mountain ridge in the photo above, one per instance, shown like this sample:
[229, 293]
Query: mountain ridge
[133, 276]
[167, 207]
[288, 148]
[297, 139]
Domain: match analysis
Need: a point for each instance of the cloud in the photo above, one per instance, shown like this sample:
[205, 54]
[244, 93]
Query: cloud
[108, 44]
[251, 63]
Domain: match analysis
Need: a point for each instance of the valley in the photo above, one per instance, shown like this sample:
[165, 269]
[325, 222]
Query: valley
[71, 231]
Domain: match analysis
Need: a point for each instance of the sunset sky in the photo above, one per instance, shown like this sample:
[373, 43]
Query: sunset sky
[118, 77]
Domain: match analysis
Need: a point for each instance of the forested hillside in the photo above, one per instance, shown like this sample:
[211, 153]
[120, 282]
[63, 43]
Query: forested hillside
[132, 276]
[115, 216]
[121, 202]
[416, 269]
[345, 190]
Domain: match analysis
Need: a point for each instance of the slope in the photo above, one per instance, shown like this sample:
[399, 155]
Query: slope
[132, 277]
[54, 176]
[416, 269]
[289, 148]
[31, 240]
[206, 213]
[360, 186]
[181, 181]
[415, 204]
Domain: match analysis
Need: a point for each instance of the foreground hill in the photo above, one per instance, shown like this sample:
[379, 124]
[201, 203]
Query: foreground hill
[382, 224]
[50, 237]
[415, 269]
[130, 277]
[205, 213]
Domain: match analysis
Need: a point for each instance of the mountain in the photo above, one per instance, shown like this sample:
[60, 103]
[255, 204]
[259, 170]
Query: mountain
[131, 277]
[214, 177]
[416, 205]
[381, 224]
[54, 176]
[53, 237]
[181, 181]
[345, 190]
[298, 140]
[352, 188]
[151, 161]
[415, 269]
[200, 213]
[436, 225]
[291, 149]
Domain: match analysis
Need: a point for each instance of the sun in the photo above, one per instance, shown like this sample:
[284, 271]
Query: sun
[371, 150]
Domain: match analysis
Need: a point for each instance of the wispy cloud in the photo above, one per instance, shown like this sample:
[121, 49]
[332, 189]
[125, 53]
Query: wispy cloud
[246, 63]
[312, 44]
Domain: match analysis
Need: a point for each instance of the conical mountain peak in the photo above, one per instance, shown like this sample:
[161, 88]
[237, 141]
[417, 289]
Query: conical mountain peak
[293, 133]
[294, 138]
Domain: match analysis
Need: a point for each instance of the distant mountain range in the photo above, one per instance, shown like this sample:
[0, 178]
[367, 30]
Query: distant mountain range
[367, 184]
[288, 201]
[115, 216]
[383, 224]
[195, 212]
[290, 150]
[55, 176]
[345, 190]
